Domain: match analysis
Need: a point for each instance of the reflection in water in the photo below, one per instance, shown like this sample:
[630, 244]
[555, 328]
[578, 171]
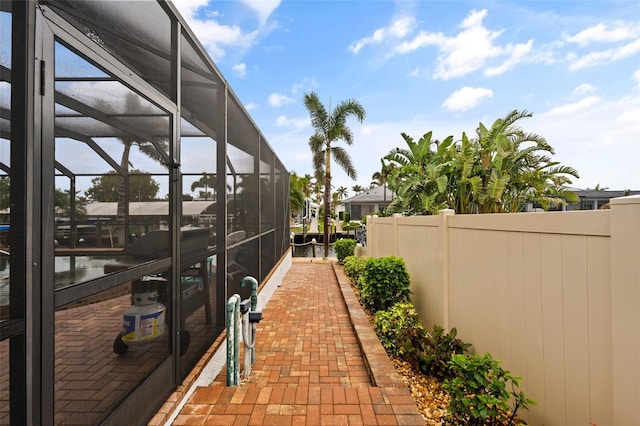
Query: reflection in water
[74, 269]
[4, 285]
[68, 270]
[4, 294]
[307, 250]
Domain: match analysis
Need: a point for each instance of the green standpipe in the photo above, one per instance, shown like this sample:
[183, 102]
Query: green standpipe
[233, 340]
[254, 306]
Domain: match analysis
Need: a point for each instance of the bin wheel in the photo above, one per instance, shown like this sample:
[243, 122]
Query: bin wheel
[119, 347]
[185, 339]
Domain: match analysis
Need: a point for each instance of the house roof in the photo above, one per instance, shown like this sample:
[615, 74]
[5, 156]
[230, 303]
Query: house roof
[375, 195]
[592, 193]
[147, 208]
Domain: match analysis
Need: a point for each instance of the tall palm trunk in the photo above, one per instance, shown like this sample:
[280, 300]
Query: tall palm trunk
[327, 199]
[122, 210]
[384, 198]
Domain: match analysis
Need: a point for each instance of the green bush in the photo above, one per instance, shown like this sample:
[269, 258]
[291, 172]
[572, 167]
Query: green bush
[479, 394]
[353, 267]
[400, 331]
[348, 226]
[385, 283]
[344, 247]
[438, 348]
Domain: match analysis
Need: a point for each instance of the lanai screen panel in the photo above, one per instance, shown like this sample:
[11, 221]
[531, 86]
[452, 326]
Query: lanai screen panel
[5, 170]
[110, 121]
[129, 136]
[243, 153]
[138, 33]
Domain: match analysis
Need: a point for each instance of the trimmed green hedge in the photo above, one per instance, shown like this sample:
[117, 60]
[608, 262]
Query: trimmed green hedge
[385, 283]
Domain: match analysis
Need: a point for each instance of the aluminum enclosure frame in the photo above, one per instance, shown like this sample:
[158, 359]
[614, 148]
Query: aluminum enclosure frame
[30, 331]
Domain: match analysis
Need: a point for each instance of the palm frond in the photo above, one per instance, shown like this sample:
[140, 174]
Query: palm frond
[347, 108]
[318, 163]
[565, 170]
[148, 149]
[317, 111]
[343, 159]
[316, 142]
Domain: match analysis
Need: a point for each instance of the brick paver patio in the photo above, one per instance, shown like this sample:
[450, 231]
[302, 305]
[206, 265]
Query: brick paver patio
[317, 362]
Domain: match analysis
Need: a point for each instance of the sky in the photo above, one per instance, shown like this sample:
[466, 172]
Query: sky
[440, 66]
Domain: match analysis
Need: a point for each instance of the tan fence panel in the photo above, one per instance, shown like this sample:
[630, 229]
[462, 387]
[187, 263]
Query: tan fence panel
[625, 303]
[534, 290]
[420, 248]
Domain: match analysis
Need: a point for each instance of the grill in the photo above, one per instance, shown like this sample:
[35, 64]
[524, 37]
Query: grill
[156, 245]
[195, 275]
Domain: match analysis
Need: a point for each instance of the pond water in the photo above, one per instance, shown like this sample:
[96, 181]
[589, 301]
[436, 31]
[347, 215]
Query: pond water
[307, 250]
[83, 268]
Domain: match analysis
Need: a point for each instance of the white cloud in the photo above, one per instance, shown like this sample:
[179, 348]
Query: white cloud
[583, 89]
[574, 107]
[423, 39]
[600, 140]
[604, 56]
[251, 106]
[277, 99]
[306, 83]
[466, 98]
[217, 37]
[398, 29]
[240, 69]
[518, 53]
[630, 117]
[298, 123]
[470, 49]
[418, 71]
[263, 8]
[636, 77]
[617, 31]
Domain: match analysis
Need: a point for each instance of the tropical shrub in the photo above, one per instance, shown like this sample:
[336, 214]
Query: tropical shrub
[344, 247]
[498, 170]
[479, 394]
[400, 331]
[385, 282]
[353, 267]
[439, 346]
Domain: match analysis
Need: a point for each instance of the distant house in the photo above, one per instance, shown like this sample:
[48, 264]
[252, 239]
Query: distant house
[591, 199]
[144, 216]
[368, 202]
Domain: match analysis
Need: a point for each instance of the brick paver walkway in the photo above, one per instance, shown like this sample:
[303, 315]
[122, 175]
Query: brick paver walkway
[316, 363]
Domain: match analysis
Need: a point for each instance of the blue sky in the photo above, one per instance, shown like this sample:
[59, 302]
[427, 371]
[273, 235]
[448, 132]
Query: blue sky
[441, 66]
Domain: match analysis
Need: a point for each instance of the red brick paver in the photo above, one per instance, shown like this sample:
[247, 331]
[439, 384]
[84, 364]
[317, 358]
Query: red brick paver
[317, 362]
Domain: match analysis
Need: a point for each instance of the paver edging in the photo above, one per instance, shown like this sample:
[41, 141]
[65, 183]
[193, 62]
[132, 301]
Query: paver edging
[381, 370]
[176, 397]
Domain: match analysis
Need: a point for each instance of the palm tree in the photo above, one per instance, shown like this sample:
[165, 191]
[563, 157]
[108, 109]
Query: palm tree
[342, 192]
[498, 171]
[357, 189]
[330, 127]
[420, 181]
[381, 178]
[297, 187]
[510, 175]
[133, 106]
[307, 187]
[206, 181]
